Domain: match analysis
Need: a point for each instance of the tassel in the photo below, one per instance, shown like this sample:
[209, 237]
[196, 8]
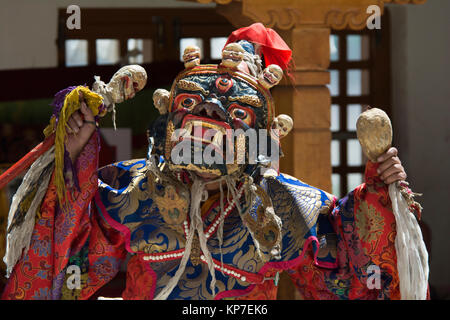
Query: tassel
[412, 255]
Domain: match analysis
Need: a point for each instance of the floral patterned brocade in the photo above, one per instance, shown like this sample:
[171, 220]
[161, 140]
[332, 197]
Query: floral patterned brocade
[58, 238]
[140, 281]
[365, 228]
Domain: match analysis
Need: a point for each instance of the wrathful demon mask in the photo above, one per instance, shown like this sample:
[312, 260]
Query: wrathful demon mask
[211, 104]
[217, 119]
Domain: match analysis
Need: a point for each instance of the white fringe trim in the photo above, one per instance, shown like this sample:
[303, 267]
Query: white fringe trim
[412, 255]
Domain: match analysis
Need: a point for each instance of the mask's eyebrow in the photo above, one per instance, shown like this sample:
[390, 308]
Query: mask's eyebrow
[191, 86]
[252, 100]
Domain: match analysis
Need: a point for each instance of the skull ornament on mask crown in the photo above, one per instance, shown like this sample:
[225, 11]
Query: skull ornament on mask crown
[270, 76]
[191, 56]
[232, 55]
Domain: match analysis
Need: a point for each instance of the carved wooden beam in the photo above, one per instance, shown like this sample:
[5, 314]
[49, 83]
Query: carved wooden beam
[406, 1]
[287, 14]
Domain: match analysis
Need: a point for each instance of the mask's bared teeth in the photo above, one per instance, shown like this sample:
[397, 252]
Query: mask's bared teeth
[218, 139]
[188, 127]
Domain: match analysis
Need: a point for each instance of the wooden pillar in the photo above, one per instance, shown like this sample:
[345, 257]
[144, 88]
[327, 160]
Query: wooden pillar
[307, 100]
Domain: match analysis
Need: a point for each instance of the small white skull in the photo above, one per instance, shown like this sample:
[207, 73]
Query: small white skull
[126, 82]
[232, 55]
[270, 76]
[191, 56]
[282, 125]
[161, 100]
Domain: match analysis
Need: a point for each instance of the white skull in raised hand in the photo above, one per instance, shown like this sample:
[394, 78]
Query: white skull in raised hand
[126, 82]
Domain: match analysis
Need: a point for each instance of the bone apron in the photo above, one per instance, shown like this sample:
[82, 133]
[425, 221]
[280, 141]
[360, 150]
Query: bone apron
[207, 214]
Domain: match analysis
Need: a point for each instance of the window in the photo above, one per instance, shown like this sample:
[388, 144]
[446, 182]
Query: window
[140, 51]
[334, 83]
[119, 36]
[217, 45]
[347, 83]
[335, 123]
[76, 53]
[334, 47]
[108, 51]
[359, 76]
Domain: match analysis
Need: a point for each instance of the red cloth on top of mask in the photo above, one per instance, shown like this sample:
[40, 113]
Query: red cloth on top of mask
[274, 49]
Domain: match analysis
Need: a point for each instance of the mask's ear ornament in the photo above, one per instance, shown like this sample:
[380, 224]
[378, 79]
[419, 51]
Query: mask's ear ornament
[270, 76]
[161, 100]
[191, 57]
[282, 125]
[232, 55]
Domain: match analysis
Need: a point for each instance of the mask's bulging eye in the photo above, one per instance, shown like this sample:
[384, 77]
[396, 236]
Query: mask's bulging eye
[242, 113]
[239, 113]
[187, 101]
